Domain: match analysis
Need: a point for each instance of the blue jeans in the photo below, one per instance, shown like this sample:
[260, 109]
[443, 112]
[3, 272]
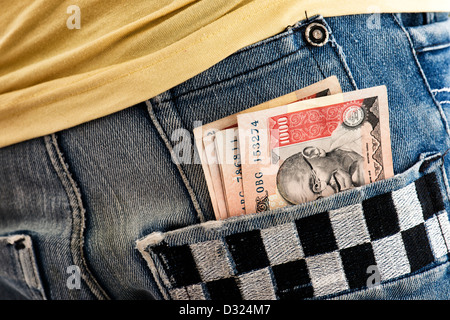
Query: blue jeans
[102, 211]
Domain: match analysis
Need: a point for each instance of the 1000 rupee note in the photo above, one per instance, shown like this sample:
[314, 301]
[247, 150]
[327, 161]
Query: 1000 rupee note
[229, 158]
[205, 140]
[215, 184]
[311, 149]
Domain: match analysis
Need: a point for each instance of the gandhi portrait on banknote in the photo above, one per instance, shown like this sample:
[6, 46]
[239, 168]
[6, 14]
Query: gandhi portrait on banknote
[314, 173]
[315, 148]
[325, 166]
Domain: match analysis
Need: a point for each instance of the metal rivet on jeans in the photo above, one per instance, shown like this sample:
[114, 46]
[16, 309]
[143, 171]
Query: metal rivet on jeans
[316, 34]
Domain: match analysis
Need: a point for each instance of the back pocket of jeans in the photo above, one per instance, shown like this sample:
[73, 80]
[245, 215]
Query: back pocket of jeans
[319, 249]
[432, 45]
[19, 277]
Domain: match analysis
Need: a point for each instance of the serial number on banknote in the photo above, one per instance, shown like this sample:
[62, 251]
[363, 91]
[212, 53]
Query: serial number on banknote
[256, 146]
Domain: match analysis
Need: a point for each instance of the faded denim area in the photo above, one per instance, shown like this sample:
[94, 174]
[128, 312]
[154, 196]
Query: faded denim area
[84, 196]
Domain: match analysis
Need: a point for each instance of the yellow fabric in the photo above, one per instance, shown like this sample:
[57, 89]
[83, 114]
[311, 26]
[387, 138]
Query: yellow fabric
[53, 77]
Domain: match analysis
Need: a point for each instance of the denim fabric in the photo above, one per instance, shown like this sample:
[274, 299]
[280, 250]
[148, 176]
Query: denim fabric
[433, 52]
[90, 195]
[19, 269]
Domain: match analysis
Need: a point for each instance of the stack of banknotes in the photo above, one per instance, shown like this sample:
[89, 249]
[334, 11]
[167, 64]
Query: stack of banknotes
[306, 145]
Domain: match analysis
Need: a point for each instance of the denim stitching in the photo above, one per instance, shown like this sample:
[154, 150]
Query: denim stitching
[441, 90]
[317, 62]
[156, 270]
[444, 174]
[22, 270]
[78, 215]
[341, 54]
[312, 54]
[25, 274]
[433, 47]
[32, 274]
[447, 189]
[422, 74]
[169, 146]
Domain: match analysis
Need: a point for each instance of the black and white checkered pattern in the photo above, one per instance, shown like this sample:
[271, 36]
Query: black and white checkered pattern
[326, 253]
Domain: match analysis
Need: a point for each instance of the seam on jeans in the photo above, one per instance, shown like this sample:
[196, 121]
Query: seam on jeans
[33, 273]
[312, 55]
[13, 256]
[141, 246]
[13, 252]
[317, 62]
[441, 90]
[424, 78]
[342, 56]
[19, 258]
[200, 215]
[22, 271]
[442, 231]
[447, 189]
[169, 146]
[78, 215]
[433, 47]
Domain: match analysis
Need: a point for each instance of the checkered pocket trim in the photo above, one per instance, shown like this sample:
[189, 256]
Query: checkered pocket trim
[397, 232]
